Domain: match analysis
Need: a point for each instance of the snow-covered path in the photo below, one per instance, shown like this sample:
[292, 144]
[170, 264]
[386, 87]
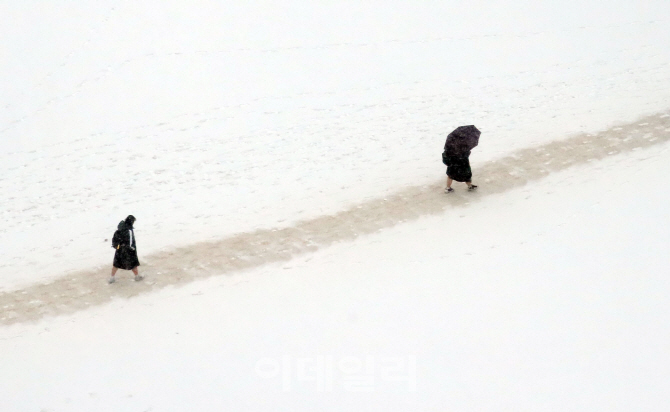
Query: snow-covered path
[86, 288]
[547, 296]
[211, 120]
[283, 160]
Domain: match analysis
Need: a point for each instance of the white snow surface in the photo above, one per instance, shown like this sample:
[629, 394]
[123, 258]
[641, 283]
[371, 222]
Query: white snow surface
[211, 118]
[205, 119]
[548, 297]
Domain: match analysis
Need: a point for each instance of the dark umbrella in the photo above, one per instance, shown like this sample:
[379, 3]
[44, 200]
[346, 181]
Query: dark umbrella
[462, 139]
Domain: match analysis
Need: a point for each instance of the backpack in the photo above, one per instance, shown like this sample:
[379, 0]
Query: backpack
[116, 239]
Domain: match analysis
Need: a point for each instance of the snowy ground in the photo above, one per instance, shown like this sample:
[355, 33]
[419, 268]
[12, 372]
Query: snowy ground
[214, 120]
[519, 302]
[269, 114]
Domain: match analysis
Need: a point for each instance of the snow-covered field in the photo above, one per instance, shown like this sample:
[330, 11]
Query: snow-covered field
[215, 119]
[548, 297]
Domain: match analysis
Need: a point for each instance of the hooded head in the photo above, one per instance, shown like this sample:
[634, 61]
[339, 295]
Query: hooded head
[129, 221]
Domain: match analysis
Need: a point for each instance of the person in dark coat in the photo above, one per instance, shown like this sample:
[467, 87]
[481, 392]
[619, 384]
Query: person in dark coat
[125, 244]
[458, 168]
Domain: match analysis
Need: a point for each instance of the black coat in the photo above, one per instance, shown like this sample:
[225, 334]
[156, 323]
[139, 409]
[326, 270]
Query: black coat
[125, 256]
[458, 166]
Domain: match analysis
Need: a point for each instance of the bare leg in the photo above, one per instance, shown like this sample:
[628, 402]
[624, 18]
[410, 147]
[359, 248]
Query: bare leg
[135, 271]
[112, 279]
[449, 182]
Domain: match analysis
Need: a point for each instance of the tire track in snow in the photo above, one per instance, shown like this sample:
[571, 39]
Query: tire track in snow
[87, 288]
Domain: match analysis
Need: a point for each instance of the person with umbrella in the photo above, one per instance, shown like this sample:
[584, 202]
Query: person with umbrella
[456, 155]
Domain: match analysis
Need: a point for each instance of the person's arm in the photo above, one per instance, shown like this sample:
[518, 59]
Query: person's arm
[130, 236]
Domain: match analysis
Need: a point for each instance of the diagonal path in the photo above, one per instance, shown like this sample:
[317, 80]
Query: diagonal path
[86, 288]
